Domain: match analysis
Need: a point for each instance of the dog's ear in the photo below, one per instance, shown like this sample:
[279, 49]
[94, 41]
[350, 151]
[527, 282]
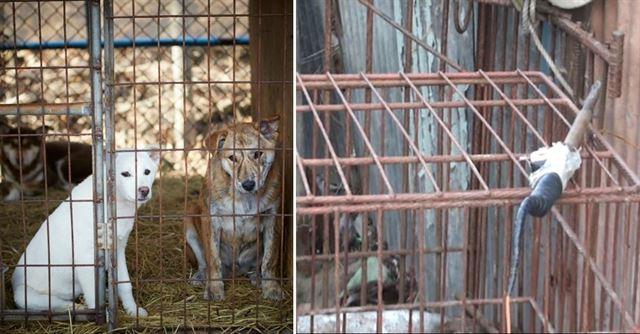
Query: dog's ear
[215, 140]
[269, 127]
[154, 153]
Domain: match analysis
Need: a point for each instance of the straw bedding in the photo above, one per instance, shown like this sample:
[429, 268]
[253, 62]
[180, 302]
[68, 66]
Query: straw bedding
[158, 255]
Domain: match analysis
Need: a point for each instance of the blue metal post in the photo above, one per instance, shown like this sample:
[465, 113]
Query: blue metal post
[127, 43]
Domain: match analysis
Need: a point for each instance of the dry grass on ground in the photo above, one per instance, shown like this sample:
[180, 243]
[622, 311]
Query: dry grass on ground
[160, 248]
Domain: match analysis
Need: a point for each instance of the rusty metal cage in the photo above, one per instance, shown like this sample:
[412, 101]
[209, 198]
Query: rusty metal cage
[419, 175]
[162, 73]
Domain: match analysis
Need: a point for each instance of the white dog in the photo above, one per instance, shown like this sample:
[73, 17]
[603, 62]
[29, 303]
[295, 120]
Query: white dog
[60, 290]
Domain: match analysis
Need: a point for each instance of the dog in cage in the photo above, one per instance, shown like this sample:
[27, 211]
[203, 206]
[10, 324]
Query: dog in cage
[239, 200]
[66, 237]
[332, 186]
[357, 233]
[30, 163]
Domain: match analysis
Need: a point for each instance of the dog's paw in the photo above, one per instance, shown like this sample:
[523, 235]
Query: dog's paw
[198, 278]
[9, 194]
[253, 277]
[214, 291]
[77, 307]
[142, 313]
[271, 290]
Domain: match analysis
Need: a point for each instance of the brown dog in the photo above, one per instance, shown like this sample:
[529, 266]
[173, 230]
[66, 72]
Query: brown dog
[23, 162]
[237, 209]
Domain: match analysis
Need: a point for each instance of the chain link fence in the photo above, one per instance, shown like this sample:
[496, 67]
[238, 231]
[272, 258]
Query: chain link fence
[44, 63]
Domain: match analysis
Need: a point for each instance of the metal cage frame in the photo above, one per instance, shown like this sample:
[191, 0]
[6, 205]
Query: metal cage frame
[570, 267]
[104, 88]
[619, 184]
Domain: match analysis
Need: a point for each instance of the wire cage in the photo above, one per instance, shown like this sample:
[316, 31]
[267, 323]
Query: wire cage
[216, 45]
[408, 182]
[121, 76]
[41, 92]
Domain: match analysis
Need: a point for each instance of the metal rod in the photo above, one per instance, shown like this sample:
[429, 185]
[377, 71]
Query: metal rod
[326, 138]
[466, 156]
[109, 113]
[411, 306]
[316, 81]
[365, 254]
[496, 137]
[303, 174]
[95, 56]
[593, 266]
[127, 43]
[513, 107]
[17, 315]
[450, 199]
[489, 157]
[415, 149]
[366, 141]
[36, 109]
[435, 105]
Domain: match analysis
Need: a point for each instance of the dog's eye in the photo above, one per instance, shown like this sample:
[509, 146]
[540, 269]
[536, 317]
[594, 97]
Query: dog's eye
[125, 174]
[233, 158]
[147, 172]
[257, 154]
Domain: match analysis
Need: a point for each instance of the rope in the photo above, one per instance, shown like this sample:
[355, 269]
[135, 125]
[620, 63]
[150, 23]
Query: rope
[528, 11]
[462, 27]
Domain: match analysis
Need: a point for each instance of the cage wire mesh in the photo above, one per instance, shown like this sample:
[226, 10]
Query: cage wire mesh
[46, 110]
[63, 74]
[40, 32]
[180, 70]
[408, 182]
[143, 67]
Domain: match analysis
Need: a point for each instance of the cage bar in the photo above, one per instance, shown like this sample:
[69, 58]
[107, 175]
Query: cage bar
[604, 184]
[174, 72]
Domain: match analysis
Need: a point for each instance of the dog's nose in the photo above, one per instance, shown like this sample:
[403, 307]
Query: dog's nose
[144, 191]
[248, 185]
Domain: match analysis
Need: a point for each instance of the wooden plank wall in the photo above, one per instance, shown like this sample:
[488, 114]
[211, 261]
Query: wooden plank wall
[388, 56]
[621, 123]
[271, 92]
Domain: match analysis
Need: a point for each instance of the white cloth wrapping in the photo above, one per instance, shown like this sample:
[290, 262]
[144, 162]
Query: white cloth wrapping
[559, 158]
